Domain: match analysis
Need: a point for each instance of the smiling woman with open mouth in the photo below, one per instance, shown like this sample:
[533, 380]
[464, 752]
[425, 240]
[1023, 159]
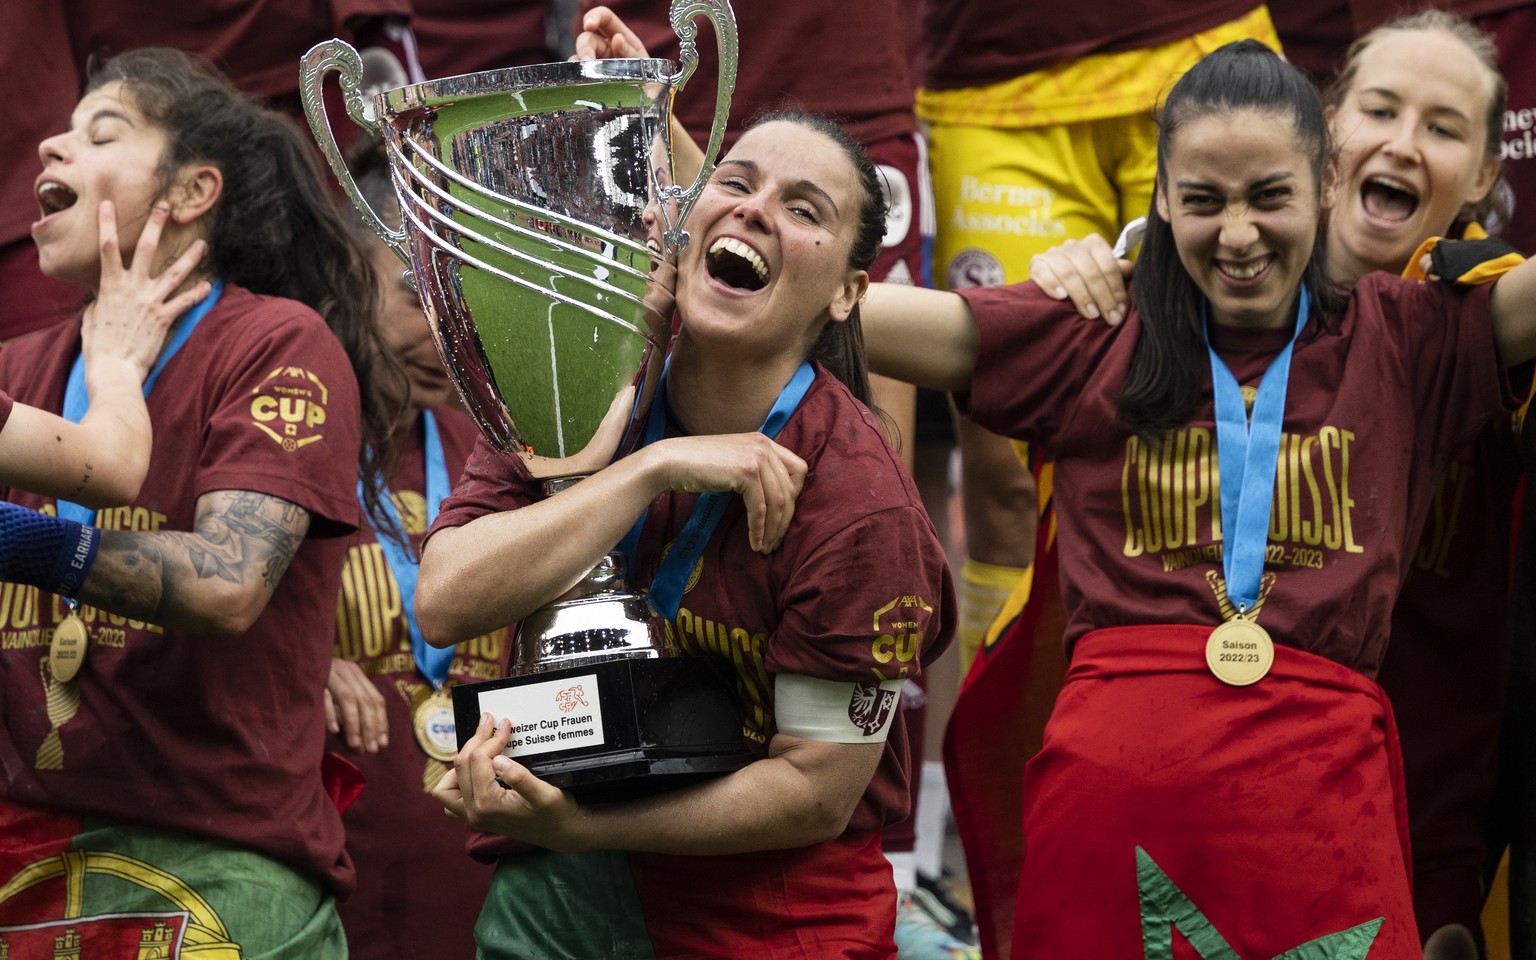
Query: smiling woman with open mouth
[824, 587]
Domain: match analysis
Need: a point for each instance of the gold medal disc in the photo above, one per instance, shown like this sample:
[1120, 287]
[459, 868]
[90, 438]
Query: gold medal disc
[67, 651]
[434, 726]
[1239, 652]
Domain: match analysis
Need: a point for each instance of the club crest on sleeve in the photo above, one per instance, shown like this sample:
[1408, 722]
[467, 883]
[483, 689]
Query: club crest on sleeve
[870, 707]
[289, 407]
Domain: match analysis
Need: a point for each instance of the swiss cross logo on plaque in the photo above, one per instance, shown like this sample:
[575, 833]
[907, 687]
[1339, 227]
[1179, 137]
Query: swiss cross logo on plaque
[552, 715]
[289, 407]
[570, 698]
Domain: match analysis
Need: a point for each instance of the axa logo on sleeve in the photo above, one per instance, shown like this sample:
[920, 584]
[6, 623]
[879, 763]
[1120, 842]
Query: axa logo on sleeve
[900, 627]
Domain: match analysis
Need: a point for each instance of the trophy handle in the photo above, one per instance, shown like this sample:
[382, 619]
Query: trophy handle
[684, 13]
[342, 57]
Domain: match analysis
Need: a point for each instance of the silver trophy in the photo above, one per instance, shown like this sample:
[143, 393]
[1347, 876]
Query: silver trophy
[535, 201]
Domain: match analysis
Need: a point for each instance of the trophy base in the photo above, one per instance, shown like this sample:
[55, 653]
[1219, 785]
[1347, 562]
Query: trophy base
[616, 729]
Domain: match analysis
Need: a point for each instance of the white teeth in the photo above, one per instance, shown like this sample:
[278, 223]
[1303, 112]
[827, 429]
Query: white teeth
[54, 196]
[732, 245]
[1394, 184]
[1244, 272]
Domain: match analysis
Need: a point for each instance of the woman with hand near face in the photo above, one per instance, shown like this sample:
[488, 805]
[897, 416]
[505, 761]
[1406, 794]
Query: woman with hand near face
[163, 666]
[100, 458]
[1255, 811]
[827, 541]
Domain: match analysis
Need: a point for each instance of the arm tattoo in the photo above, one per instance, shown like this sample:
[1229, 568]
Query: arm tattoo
[241, 538]
[250, 527]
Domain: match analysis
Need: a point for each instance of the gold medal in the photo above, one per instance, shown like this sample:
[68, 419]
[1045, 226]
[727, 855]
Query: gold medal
[67, 651]
[1239, 652]
[434, 726]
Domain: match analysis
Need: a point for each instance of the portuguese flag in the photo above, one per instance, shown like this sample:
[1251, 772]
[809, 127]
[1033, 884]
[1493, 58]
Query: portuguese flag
[80, 888]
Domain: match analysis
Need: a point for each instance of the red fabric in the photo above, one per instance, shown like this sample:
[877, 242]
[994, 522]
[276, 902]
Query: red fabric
[1371, 416]
[1314, 35]
[344, 783]
[1372, 13]
[464, 36]
[175, 730]
[823, 604]
[34, 57]
[28, 835]
[1276, 808]
[847, 60]
[32, 301]
[417, 894]
[1515, 34]
[993, 730]
[972, 43]
[6, 403]
[903, 167]
[32, 833]
[831, 901]
[1448, 659]
[256, 43]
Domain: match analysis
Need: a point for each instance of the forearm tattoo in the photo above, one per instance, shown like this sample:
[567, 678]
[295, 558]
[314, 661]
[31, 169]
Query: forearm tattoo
[241, 538]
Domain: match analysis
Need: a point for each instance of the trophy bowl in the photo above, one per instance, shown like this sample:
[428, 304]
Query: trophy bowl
[536, 203]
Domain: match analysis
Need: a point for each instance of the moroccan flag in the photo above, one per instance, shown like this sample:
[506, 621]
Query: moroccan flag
[1172, 817]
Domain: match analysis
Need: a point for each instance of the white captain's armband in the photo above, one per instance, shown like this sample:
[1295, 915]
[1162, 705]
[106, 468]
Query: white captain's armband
[835, 711]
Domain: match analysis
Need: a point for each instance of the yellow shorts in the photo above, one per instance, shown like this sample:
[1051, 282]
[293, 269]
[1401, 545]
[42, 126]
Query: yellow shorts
[1003, 195]
[1023, 165]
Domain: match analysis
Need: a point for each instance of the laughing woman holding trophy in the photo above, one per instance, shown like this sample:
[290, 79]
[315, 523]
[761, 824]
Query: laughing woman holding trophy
[744, 485]
[823, 585]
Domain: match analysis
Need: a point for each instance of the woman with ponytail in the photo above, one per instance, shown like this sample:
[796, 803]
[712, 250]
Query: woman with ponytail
[163, 672]
[815, 570]
[1243, 468]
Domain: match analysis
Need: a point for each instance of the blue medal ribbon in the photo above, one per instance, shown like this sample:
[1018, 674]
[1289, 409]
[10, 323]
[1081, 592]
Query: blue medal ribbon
[433, 662]
[1248, 451]
[77, 398]
[666, 590]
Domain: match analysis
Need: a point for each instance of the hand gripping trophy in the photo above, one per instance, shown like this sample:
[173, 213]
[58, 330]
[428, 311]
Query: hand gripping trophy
[535, 202]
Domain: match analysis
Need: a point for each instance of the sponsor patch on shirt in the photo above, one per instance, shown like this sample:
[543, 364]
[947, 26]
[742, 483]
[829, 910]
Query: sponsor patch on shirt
[289, 407]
